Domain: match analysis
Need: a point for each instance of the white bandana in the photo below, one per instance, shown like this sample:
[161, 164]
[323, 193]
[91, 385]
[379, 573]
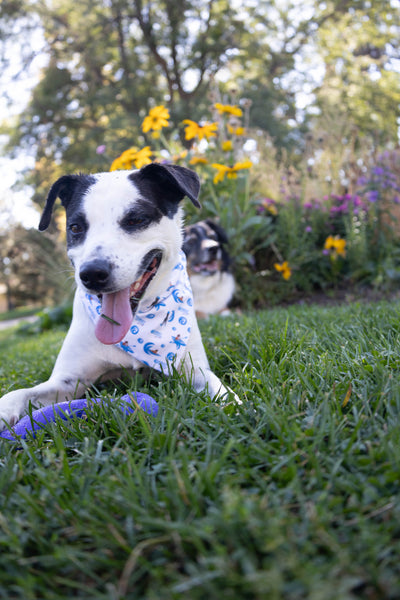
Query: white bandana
[159, 332]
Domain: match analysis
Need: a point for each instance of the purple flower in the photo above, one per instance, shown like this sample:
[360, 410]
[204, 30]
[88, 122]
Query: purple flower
[373, 195]
[308, 229]
[341, 209]
[308, 205]
[378, 171]
[362, 180]
[101, 149]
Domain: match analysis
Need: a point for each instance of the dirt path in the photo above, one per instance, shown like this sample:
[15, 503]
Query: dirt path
[14, 322]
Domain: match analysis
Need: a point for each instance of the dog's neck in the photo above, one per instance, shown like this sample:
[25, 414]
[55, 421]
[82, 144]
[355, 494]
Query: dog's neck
[161, 325]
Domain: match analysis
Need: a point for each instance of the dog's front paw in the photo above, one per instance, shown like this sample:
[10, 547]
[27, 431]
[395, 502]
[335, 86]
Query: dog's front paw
[227, 397]
[12, 406]
[208, 380]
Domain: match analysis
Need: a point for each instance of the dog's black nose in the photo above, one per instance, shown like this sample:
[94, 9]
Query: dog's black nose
[213, 251]
[95, 275]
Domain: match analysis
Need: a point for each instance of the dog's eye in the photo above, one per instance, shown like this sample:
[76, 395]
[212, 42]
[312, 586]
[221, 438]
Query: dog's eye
[132, 222]
[75, 228]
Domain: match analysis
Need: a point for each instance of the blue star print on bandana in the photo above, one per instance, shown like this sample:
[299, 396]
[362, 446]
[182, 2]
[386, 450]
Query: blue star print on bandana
[160, 331]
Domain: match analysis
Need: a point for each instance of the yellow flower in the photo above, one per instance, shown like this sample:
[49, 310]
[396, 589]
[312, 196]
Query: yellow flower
[143, 157]
[221, 171]
[230, 172]
[179, 156]
[132, 157]
[198, 160]
[337, 245]
[227, 146]
[156, 119]
[269, 205]
[284, 269]
[235, 130]
[193, 130]
[228, 109]
[329, 242]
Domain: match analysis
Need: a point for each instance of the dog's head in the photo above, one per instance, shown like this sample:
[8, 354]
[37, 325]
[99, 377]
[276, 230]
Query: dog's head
[124, 234]
[204, 246]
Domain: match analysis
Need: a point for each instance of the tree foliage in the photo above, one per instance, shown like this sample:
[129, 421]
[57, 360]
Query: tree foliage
[109, 62]
[34, 267]
[361, 58]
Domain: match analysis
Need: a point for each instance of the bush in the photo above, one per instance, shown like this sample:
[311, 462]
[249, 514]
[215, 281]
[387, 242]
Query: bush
[292, 230]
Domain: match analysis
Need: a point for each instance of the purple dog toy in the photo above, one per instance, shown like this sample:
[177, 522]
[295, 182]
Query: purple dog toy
[75, 409]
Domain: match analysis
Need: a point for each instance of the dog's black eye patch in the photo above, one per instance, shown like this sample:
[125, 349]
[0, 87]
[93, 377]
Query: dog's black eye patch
[190, 243]
[134, 222]
[139, 218]
[76, 229]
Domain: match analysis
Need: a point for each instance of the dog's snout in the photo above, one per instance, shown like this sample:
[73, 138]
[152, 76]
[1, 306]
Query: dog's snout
[96, 274]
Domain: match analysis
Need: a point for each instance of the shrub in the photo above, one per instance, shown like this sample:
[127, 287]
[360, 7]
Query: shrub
[287, 235]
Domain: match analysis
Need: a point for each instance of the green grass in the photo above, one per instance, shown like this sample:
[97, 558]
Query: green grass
[295, 495]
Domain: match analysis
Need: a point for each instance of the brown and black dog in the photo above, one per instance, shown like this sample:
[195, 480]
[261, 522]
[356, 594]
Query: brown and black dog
[208, 264]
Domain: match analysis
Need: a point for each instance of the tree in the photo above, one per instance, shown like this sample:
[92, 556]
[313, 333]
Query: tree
[362, 80]
[34, 267]
[109, 62]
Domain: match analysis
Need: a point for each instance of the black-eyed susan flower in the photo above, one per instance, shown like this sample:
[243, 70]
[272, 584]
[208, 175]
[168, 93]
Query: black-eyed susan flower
[227, 145]
[335, 246]
[268, 205]
[198, 160]
[193, 130]
[230, 172]
[132, 157]
[284, 268]
[228, 109]
[179, 156]
[157, 118]
[238, 131]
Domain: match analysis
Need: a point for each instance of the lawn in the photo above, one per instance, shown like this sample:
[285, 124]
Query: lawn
[294, 495]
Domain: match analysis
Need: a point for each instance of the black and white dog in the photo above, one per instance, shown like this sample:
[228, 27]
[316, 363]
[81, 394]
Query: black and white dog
[133, 304]
[208, 265]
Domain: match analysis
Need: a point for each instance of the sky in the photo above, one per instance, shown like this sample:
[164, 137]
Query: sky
[16, 205]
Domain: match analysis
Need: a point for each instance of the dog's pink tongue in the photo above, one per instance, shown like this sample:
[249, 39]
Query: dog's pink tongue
[116, 317]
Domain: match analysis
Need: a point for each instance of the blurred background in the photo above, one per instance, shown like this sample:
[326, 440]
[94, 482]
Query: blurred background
[316, 86]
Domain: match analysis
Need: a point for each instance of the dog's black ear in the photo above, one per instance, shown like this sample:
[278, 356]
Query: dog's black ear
[63, 188]
[221, 233]
[171, 183]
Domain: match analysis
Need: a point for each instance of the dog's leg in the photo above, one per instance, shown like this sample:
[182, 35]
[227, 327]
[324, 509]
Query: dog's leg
[73, 372]
[15, 404]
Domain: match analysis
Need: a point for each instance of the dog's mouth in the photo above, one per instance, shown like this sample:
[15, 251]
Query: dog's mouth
[206, 268]
[119, 308]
